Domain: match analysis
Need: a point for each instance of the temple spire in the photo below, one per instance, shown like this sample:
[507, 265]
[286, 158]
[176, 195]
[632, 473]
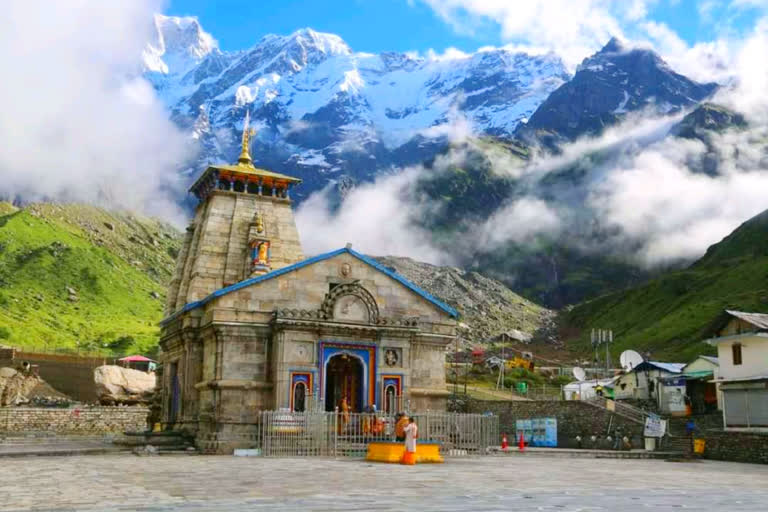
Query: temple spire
[245, 154]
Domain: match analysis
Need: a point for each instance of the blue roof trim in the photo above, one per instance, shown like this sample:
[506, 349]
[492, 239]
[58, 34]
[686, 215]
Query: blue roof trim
[290, 268]
[397, 277]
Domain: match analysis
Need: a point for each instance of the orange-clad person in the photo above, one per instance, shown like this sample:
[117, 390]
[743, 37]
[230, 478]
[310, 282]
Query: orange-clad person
[402, 422]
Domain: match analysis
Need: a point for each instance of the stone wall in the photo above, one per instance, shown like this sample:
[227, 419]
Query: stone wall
[736, 446]
[573, 419]
[87, 420]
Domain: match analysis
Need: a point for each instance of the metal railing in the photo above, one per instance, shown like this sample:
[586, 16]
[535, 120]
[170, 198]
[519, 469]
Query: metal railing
[619, 408]
[338, 434]
[543, 392]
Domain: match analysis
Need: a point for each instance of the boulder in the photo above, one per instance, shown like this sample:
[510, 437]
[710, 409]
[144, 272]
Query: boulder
[118, 385]
[15, 386]
[7, 373]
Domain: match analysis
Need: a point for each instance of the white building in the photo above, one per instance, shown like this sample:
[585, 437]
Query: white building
[742, 346]
[586, 389]
[642, 382]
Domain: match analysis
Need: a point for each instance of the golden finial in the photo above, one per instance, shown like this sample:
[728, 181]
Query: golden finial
[245, 154]
[259, 223]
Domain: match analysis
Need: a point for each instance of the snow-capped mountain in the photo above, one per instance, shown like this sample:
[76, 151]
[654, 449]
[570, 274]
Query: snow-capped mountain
[328, 113]
[609, 84]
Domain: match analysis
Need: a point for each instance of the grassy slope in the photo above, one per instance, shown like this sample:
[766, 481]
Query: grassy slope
[668, 316]
[44, 249]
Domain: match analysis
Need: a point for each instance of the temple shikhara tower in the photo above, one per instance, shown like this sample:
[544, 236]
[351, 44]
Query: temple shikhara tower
[252, 325]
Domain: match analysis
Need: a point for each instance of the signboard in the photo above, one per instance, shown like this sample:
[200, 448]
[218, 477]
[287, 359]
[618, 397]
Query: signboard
[538, 431]
[654, 426]
[610, 405]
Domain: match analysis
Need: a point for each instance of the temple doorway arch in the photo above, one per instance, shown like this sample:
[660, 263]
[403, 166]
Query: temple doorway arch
[299, 396]
[344, 378]
[390, 399]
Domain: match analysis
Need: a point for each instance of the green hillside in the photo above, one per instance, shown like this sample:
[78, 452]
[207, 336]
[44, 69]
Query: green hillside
[669, 315]
[81, 279]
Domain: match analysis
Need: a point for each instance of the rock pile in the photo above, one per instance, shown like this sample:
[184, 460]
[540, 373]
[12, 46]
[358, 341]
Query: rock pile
[21, 387]
[488, 307]
[118, 385]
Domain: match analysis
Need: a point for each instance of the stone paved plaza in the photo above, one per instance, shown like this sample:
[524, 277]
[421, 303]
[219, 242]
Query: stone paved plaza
[222, 483]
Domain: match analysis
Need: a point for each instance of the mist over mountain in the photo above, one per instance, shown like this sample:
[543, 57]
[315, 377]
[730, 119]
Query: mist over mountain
[499, 161]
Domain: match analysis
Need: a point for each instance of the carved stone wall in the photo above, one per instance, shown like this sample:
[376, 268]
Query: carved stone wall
[216, 252]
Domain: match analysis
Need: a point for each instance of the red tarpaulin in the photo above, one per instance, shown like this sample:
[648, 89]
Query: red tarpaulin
[137, 359]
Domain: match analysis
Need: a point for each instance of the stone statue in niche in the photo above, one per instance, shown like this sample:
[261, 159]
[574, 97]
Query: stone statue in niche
[263, 253]
[350, 308]
[346, 269]
[260, 255]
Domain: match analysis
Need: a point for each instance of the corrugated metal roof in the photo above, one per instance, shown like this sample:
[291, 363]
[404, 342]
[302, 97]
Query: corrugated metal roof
[667, 367]
[711, 359]
[759, 320]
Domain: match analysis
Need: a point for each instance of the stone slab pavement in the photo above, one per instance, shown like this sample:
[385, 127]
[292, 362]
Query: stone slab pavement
[224, 483]
[61, 447]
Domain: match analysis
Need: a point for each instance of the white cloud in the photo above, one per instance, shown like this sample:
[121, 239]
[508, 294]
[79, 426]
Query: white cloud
[675, 213]
[77, 124]
[573, 28]
[518, 222]
[377, 218]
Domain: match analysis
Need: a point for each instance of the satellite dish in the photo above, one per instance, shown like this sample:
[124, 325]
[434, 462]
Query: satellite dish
[579, 373]
[629, 359]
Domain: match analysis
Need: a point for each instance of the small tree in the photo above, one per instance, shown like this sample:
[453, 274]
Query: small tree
[120, 345]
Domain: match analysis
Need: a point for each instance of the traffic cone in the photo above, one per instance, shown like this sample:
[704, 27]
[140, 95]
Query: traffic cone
[504, 442]
[522, 441]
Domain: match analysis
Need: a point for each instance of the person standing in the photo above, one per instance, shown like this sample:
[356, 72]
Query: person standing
[402, 422]
[411, 433]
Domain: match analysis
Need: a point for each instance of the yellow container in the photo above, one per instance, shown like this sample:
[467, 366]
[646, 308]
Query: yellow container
[392, 452]
[698, 446]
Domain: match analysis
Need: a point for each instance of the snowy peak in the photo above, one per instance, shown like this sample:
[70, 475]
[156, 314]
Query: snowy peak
[179, 44]
[289, 54]
[609, 84]
[613, 46]
[309, 40]
[329, 114]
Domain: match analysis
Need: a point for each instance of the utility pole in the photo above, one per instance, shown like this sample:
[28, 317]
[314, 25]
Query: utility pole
[456, 368]
[503, 366]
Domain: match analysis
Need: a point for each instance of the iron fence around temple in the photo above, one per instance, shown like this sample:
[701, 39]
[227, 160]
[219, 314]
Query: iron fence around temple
[337, 434]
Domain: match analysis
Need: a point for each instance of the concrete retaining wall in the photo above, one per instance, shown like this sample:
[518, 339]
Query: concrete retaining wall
[87, 420]
[573, 419]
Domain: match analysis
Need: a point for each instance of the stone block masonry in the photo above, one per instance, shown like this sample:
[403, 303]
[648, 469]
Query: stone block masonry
[86, 420]
[736, 446]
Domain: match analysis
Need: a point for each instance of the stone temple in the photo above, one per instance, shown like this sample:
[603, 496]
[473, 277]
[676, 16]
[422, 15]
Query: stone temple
[251, 324]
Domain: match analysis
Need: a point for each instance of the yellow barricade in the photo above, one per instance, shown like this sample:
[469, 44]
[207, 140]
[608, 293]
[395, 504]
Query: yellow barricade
[392, 452]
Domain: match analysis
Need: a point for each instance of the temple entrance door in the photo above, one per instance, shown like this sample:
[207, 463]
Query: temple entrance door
[344, 378]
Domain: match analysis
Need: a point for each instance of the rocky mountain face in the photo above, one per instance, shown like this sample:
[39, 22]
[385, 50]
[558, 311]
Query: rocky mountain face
[326, 113]
[82, 279]
[608, 85]
[487, 306]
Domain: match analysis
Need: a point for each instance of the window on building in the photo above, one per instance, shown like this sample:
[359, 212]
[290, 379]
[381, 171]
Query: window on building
[736, 349]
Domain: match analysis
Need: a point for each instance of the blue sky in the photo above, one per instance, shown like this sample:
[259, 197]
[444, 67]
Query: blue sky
[403, 25]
